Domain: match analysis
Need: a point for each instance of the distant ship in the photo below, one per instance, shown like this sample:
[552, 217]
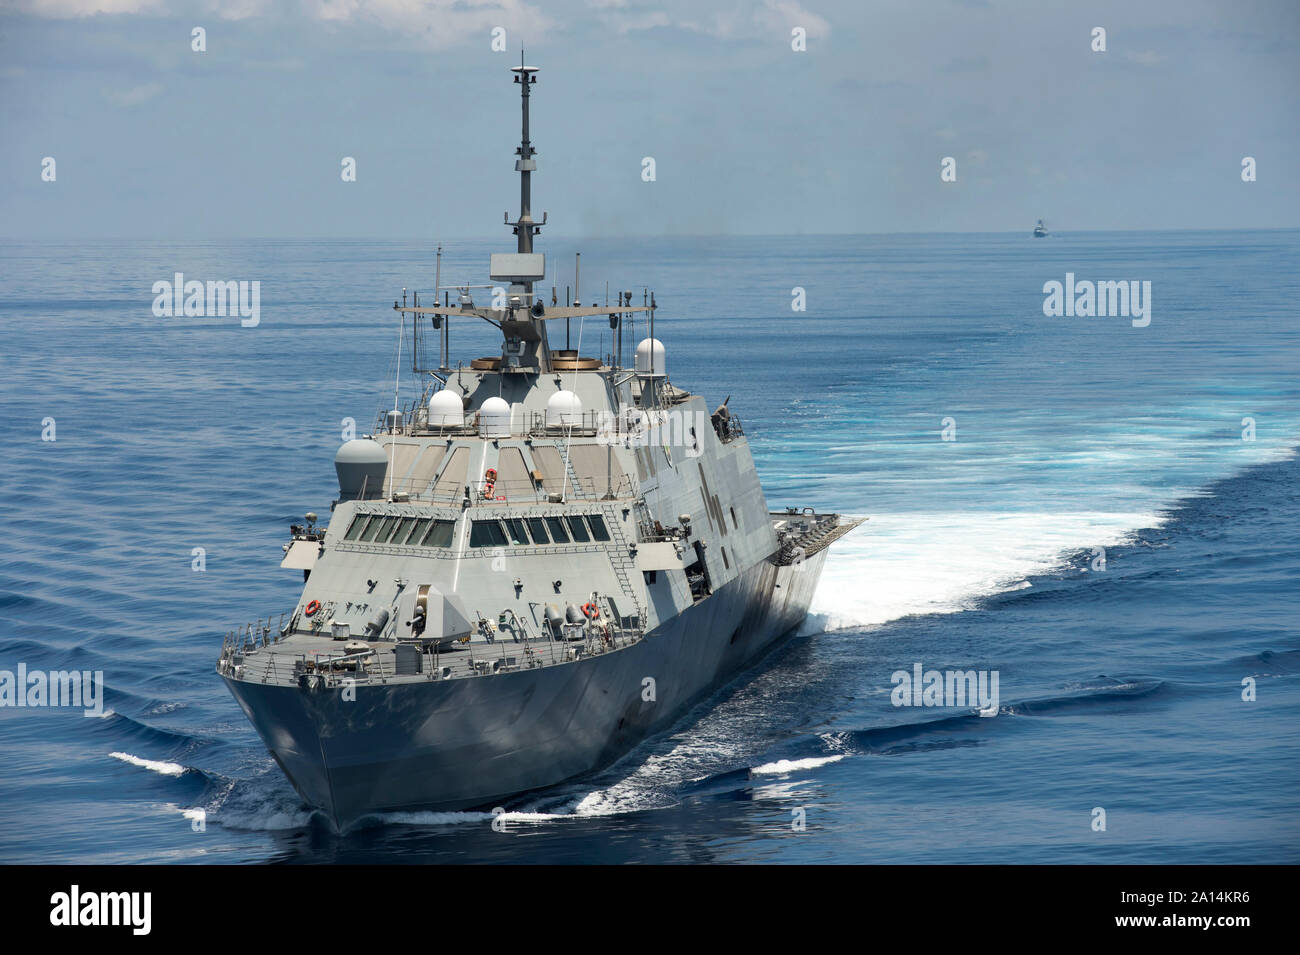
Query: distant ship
[1040, 230]
[539, 562]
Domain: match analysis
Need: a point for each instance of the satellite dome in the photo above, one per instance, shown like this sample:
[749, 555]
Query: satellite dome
[651, 353]
[446, 410]
[563, 408]
[361, 465]
[494, 418]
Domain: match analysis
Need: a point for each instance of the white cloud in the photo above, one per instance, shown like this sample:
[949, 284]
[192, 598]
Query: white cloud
[785, 14]
[237, 9]
[741, 20]
[71, 9]
[436, 23]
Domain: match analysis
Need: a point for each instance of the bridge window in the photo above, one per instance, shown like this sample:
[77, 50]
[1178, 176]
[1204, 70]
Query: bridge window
[401, 530]
[417, 532]
[558, 533]
[440, 534]
[486, 534]
[381, 525]
[579, 529]
[515, 528]
[538, 527]
[358, 525]
[598, 528]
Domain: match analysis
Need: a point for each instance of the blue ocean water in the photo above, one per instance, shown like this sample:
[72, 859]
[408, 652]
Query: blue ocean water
[1076, 439]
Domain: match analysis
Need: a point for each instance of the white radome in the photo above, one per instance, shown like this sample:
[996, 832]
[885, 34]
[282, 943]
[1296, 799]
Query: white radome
[446, 410]
[563, 409]
[651, 350]
[494, 418]
[361, 464]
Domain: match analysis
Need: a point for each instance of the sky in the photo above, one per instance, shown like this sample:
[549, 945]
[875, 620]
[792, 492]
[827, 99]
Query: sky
[749, 136]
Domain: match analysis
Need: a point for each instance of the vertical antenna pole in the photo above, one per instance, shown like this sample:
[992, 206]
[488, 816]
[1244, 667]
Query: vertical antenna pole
[524, 227]
[397, 383]
[577, 292]
[437, 287]
[652, 341]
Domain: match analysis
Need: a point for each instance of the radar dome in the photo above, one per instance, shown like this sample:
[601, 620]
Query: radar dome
[494, 418]
[563, 409]
[361, 465]
[650, 354]
[446, 410]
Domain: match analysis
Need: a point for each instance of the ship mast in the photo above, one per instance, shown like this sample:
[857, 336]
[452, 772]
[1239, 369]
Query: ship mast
[526, 345]
[524, 227]
[522, 322]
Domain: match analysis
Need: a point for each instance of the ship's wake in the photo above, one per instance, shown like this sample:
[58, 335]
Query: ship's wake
[898, 565]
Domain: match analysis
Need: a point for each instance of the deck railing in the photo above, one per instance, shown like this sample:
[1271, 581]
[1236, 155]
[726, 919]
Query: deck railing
[588, 488]
[500, 648]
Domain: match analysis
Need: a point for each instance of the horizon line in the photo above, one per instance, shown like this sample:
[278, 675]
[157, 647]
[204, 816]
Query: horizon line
[622, 235]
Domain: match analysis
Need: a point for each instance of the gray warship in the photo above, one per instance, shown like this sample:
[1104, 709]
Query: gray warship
[537, 563]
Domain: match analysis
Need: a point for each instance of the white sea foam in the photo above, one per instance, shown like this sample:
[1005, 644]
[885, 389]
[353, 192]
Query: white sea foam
[943, 560]
[154, 765]
[258, 809]
[782, 766]
[901, 564]
[463, 818]
[191, 813]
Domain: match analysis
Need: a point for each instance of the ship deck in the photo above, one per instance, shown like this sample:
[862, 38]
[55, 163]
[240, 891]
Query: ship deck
[314, 658]
[318, 659]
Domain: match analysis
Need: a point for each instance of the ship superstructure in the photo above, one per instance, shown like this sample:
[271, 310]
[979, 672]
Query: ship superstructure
[540, 561]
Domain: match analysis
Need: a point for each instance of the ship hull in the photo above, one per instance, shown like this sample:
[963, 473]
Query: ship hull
[468, 743]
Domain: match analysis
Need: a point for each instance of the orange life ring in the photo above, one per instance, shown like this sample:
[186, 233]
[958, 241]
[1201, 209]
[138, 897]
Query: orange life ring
[312, 607]
[488, 490]
[590, 610]
[491, 475]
